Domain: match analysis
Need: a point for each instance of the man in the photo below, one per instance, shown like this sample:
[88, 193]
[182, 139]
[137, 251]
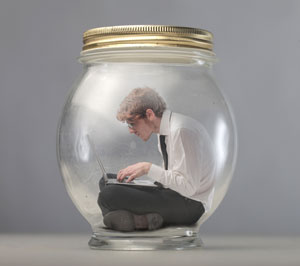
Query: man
[185, 183]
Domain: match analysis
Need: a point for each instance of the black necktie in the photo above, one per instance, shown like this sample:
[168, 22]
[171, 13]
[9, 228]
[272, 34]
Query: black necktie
[164, 150]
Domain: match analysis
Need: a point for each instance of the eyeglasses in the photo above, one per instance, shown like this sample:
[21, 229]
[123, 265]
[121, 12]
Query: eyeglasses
[132, 124]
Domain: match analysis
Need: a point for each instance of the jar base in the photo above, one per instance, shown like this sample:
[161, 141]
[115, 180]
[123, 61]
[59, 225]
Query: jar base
[144, 242]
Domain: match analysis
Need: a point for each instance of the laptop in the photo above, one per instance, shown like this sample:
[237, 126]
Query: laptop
[109, 181]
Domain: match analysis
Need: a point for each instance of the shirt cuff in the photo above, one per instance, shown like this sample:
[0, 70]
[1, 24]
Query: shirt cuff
[155, 172]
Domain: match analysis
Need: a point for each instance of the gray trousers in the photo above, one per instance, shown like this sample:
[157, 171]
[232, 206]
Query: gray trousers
[174, 208]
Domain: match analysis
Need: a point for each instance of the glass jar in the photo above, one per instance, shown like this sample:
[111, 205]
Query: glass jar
[176, 63]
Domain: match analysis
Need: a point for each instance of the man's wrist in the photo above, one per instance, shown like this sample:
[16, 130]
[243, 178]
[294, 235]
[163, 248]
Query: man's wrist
[147, 167]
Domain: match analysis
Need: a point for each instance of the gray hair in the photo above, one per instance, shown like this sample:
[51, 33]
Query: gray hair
[138, 101]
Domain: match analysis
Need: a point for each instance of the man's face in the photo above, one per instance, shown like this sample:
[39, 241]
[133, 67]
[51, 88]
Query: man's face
[140, 127]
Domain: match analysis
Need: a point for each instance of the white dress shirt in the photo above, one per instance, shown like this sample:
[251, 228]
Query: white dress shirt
[191, 163]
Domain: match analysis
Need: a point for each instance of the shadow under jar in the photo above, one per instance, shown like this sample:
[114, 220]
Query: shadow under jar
[201, 144]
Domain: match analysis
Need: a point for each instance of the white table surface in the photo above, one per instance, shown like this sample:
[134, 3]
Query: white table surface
[46, 249]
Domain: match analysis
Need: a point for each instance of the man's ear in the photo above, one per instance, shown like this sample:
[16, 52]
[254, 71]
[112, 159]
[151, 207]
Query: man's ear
[150, 114]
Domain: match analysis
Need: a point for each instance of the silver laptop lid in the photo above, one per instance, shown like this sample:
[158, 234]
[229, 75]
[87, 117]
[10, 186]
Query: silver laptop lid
[97, 158]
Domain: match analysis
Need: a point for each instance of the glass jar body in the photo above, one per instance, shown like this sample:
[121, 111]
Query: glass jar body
[182, 77]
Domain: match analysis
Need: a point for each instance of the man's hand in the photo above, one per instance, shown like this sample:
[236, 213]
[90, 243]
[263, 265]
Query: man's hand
[134, 171]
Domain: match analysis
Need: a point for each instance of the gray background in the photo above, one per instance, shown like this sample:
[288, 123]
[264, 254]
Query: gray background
[257, 43]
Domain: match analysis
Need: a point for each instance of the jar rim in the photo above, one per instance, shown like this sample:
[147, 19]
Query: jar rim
[147, 55]
[147, 36]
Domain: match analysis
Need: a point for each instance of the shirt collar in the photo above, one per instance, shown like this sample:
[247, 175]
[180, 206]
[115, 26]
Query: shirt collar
[165, 123]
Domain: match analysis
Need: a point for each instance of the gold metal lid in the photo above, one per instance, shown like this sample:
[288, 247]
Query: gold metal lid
[147, 36]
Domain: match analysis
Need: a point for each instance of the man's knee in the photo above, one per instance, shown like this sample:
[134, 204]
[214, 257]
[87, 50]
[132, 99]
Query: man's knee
[110, 197]
[106, 194]
[196, 213]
